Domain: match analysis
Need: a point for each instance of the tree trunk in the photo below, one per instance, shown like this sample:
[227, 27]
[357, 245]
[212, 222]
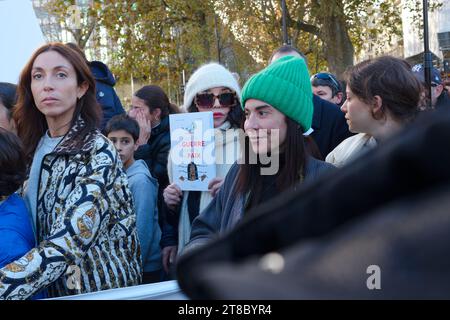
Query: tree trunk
[332, 29]
[338, 48]
[203, 23]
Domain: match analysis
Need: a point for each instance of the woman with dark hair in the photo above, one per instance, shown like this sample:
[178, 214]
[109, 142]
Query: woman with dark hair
[151, 107]
[278, 111]
[382, 97]
[7, 102]
[76, 190]
[210, 88]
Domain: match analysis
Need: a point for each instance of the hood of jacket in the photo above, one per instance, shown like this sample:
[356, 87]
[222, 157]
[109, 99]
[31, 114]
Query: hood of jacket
[139, 167]
[443, 101]
[102, 73]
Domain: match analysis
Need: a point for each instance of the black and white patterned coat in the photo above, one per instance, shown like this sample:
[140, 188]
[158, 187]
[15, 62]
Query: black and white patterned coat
[86, 225]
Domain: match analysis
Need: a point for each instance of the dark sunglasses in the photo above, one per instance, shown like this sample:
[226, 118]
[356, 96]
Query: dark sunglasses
[206, 100]
[326, 76]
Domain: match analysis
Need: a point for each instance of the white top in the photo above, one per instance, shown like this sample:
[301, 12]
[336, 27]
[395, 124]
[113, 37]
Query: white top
[350, 149]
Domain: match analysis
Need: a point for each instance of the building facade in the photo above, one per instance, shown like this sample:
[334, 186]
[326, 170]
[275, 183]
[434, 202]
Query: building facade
[439, 28]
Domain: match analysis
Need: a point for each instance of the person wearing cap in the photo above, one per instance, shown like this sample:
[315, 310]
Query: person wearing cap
[382, 97]
[278, 110]
[327, 86]
[439, 95]
[328, 123]
[214, 88]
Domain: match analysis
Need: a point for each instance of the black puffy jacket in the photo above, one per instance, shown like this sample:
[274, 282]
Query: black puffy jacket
[105, 93]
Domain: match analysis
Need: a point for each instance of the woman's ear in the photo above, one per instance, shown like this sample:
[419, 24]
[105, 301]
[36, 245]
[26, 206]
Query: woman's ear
[378, 106]
[157, 113]
[339, 96]
[82, 88]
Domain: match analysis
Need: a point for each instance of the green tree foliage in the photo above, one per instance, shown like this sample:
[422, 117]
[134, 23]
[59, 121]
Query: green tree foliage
[329, 32]
[76, 17]
[154, 41]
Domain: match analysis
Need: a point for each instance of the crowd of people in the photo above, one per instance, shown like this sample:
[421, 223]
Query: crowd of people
[87, 197]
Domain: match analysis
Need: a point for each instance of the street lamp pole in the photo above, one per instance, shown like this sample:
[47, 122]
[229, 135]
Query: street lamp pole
[284, 17]
[427, 59]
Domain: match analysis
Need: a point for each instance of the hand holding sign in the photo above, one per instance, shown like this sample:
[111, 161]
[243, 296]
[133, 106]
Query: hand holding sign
[192, 154]
[214, 185]
[172, 195]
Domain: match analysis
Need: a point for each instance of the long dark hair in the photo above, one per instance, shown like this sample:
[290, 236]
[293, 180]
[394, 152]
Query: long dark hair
[12, 163]
[8, 96]
[31, 123]
[155, 98]
[292, 166]
[235, 116]
[391, 79]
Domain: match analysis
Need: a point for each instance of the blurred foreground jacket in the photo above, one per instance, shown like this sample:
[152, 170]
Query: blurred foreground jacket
[389, 208]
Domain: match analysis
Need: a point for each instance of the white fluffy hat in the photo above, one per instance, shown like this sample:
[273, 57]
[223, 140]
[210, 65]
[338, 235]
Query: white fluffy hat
[209, 76]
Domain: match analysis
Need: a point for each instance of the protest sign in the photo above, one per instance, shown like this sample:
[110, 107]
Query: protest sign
[192, 150]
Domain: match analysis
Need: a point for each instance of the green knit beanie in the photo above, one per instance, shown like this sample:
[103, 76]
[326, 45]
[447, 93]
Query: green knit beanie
[285, 85]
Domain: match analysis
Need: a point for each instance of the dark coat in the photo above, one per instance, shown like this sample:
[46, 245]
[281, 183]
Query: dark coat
[105, 93]
[329, 124]
[169, 229]
[389, 208]
[227, 209]
[443, 101]
[155, 153]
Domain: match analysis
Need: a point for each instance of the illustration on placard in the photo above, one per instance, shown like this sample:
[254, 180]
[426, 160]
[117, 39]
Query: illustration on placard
[192, 152]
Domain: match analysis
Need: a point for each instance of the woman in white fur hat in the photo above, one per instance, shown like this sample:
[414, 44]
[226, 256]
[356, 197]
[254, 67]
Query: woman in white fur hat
[211, 88]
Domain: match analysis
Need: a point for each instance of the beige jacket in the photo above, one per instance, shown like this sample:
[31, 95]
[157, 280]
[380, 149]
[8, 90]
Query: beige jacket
[350, 148]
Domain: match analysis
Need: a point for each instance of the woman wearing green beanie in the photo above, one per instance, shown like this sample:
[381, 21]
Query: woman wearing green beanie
[278, 112]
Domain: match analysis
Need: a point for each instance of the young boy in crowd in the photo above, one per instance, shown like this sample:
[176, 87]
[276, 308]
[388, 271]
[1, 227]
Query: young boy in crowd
[16, 233]
[123, 131]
